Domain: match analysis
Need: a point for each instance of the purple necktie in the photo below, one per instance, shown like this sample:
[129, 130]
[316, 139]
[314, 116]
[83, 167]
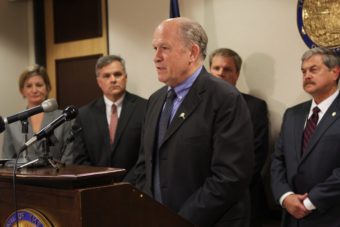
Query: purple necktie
[310, 127]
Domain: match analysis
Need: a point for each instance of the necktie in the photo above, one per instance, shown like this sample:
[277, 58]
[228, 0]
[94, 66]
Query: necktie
[165, 116]
[113, 123]
[163, 124]
[310, 127]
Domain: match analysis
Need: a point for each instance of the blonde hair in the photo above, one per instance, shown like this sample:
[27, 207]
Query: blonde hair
[35, 70]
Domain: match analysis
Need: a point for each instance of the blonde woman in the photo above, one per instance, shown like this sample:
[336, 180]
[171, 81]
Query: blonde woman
[35, 86]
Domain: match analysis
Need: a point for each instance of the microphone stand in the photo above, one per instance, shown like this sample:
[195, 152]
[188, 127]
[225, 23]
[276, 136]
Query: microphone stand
[22, 157]
[23, 160]
[24, 130]
[46, 159]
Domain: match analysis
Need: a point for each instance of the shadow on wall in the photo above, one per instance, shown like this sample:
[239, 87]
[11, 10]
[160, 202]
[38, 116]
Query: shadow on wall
[259, 75]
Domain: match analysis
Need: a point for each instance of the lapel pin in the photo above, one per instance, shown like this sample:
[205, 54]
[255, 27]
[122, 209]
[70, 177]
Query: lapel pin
[333, 114]
[182, 115]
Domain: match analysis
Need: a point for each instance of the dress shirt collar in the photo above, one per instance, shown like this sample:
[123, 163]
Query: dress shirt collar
[108, 106]
[324, 105]
[183, 88]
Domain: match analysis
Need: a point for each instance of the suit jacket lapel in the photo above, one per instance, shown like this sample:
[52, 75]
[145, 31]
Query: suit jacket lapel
[127, 110]
[327, 120]
[153, 125]
[299, 126]
[103, 127]
[188, 105]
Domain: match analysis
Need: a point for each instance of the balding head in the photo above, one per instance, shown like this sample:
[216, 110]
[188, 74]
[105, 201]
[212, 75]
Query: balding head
[180, 46]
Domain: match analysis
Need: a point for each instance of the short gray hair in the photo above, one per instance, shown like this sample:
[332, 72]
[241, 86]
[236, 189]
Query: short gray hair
[106, 60]
[329, 57]
[193, 32]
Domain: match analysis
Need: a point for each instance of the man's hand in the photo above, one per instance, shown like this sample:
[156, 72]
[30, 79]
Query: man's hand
[294, 205]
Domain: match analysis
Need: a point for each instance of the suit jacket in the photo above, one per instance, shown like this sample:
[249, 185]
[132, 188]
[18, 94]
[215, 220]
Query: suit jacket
[317, 172]
[14, 139]
[206, 157]
[92, 145]
[259, 117]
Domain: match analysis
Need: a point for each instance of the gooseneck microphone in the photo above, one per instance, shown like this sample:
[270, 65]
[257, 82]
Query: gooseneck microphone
[69, 113]
[46, 106]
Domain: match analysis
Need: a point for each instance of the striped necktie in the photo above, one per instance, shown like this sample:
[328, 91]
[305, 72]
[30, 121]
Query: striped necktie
[163, 124]
[310, 128]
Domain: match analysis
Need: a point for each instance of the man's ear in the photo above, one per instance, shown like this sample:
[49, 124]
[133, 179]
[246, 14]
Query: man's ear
[336, 71]
[194, 53]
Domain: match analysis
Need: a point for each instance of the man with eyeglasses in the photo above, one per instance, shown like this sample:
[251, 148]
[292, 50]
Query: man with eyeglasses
[111, 125]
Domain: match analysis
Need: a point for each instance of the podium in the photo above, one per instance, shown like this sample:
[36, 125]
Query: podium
[81, 196]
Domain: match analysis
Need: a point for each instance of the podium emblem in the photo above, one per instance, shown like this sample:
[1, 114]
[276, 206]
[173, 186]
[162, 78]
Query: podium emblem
[319, 23]
[28, 218]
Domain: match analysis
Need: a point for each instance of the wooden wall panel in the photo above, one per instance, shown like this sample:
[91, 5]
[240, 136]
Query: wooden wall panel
[76, 20]
[76, 81]
[71, 49]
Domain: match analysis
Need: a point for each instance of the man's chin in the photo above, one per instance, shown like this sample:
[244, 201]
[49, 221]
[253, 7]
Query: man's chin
[116, 92]
[309, 89]
[162, 78]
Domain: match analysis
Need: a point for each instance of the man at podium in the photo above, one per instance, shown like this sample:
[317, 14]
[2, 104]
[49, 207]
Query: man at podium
[197, 148]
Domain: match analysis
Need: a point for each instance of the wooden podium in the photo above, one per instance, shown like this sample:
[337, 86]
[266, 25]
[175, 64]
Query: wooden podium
[82, 196]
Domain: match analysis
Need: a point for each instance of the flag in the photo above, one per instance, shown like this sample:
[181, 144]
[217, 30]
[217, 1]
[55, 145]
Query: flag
[174, 9]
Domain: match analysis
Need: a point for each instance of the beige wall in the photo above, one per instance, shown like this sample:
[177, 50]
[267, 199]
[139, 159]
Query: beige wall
[16, 52]
[263, 32]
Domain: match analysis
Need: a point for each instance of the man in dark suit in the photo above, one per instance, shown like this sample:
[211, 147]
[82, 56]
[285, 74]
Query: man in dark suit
[93, 145]
[226, 64]
[199, 160]
[306, 163]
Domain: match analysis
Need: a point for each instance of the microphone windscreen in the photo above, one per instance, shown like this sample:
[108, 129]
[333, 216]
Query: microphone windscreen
[2, 125]
[49, 105]
[70, 112]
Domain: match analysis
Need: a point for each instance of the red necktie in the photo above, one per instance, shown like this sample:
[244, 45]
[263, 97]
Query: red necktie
[113, 123]
[310, 127]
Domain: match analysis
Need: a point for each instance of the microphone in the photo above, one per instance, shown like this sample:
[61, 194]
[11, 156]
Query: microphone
[69, 113]
[46, 106]
[74, 131]
[2, 125]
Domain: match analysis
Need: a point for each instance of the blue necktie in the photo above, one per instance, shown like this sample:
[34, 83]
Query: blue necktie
[163, 124]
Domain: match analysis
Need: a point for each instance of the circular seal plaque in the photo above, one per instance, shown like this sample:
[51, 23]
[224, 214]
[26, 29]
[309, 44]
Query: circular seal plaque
[319, 23]
[29, 218]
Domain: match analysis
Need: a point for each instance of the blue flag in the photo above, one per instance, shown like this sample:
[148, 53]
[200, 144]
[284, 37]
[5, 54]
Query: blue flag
[174, 9]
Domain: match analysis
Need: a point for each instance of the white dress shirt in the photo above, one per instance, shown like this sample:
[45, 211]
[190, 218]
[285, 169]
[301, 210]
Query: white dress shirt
[323, 106]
